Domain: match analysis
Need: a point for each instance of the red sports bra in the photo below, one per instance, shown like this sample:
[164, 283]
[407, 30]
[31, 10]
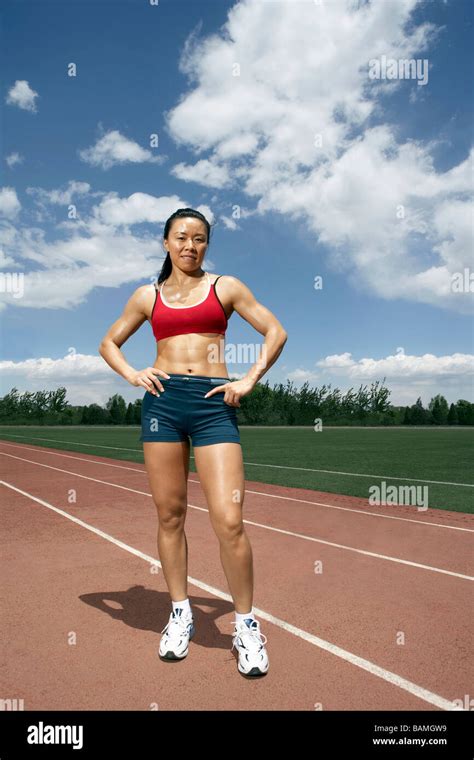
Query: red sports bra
[205, 316]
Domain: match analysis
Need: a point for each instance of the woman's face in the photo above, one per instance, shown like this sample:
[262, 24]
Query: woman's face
[187, 243]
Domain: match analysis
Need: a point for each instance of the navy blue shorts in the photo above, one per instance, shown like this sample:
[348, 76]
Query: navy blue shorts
[182, 411]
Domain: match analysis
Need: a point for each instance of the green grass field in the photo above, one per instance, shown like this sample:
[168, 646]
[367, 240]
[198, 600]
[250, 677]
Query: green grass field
[368, 455]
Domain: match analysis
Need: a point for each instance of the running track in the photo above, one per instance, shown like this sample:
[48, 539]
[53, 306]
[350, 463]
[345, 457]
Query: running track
[384, 626]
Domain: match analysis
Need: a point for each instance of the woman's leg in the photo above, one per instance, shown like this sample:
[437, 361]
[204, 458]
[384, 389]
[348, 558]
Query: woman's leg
[167, 465]
[221, 472]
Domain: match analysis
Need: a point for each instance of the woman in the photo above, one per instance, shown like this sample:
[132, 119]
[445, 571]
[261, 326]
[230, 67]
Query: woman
[188, 393]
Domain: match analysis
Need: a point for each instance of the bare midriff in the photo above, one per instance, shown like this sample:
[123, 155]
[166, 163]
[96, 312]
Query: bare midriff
[192, 354]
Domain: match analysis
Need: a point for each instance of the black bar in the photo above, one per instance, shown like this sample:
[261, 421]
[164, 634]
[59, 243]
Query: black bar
[320, 734]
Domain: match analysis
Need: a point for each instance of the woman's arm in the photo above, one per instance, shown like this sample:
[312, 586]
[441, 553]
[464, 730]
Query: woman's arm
[134, 315]
[262, 319]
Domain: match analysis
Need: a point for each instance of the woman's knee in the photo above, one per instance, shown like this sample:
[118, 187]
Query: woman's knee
[229, 527]
[171, 513]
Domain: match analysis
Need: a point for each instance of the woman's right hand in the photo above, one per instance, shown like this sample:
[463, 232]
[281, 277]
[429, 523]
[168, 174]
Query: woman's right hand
[149, 378]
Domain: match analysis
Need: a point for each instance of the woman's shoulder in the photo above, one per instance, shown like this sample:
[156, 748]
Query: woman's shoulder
[142, 298]
[231, 286]
[226, 279]
[146, 291]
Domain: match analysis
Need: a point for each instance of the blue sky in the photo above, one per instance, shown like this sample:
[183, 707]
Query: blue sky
[379, 208]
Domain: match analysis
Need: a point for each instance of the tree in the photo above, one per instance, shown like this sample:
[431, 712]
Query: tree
[117, 408]
[465, 412]
[57, 400]
[130, 415]
[9, 404]
[257, 405]
[407, 416]
[379, 395]
[452, 415]
[439, 410]
[418, 413]
[137, 411]
[98, 415]
[25, 406]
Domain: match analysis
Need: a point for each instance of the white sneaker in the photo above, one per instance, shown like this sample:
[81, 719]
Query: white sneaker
[249, 642]
[177, 633]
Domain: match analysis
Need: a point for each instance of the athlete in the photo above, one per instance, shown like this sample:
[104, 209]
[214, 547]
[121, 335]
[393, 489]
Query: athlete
[189, 395]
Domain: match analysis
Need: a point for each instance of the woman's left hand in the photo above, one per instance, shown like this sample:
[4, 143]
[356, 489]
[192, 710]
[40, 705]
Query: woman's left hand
[233, 391]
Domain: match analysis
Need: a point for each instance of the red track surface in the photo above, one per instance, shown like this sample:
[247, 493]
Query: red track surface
[61, 579]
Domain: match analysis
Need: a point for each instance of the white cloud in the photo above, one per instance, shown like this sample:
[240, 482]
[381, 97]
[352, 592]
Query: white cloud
[399, 365]
[13, 159]
[5, 261]
[204, 172]
[99, 249]
[301, 375]
[337, 361]
[60, 197]
[229, 223]
[137, 208]
[22, 95]
[455, 231]
[70, 269]
[114, 148]
[301, 131]
[9, 203]
[7, 233]
[67, 367]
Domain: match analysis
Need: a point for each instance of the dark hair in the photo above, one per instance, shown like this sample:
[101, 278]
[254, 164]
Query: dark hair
[179, 214]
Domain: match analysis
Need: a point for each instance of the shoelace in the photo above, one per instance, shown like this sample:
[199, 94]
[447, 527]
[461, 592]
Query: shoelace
[252, 638]
[178, 621]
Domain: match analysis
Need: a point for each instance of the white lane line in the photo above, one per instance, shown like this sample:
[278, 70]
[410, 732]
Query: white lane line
[360, 511]
[72, 443]
[58, 453]
[386, 675]
[22, 447]
[260, 464]
[363, 551]
[364, 475]
[259, 525]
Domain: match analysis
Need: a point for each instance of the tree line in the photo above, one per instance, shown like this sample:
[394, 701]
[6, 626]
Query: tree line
[282, 404]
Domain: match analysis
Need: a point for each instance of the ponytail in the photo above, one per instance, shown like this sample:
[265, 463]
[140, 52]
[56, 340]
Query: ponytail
[165, 269]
